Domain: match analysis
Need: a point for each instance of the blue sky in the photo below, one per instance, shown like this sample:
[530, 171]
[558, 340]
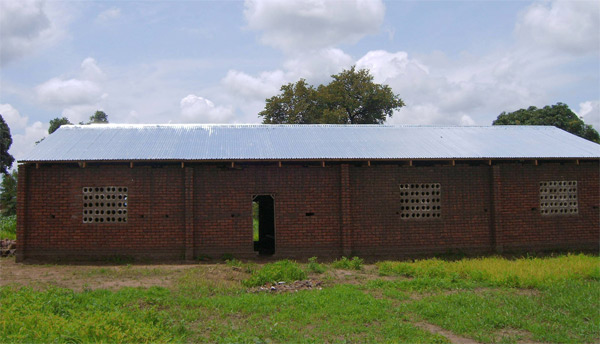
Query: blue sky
[452, 62]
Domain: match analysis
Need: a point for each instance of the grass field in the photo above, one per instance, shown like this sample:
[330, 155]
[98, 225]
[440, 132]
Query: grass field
[553, 299]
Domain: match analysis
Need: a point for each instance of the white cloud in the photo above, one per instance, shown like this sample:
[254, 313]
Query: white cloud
[62, 92]
[590, 112]
[78, 97]
[109, 14]
[563, 26]
[195, 109]
[317, 66]
[12, 117]
[24, 136]
[301, 25]
[24, 142]
[266, 85]
[26, 26]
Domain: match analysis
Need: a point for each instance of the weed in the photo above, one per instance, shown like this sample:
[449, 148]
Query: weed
[283, 270]
[349, 264]
[8, 227]
[314, 266]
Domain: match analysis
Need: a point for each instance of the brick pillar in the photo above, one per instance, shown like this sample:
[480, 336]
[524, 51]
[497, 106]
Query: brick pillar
[496, 197]
[22, 187]
[189, 212]
[345, 210]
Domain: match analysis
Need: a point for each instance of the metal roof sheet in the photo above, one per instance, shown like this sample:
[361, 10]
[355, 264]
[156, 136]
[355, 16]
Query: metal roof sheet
[121, 142]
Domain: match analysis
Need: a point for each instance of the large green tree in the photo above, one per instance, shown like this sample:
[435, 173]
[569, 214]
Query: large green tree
[57, 123]
[8, 198]
[350, 98]
[558, 115]
[6, 160]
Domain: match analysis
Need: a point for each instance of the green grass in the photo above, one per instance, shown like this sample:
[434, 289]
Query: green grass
[497, 271]
[8, 227]
[349, 264]
[281, 271]
[491, 300]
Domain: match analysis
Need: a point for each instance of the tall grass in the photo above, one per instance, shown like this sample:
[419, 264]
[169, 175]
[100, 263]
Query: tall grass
[281, 271]
[498, 271]
[8, 227]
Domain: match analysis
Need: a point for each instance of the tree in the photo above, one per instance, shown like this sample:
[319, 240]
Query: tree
[8, 198]
[558, 115]
[297, 104]
[98, 117]
[57, 123]
[350, 98]
[6, 160]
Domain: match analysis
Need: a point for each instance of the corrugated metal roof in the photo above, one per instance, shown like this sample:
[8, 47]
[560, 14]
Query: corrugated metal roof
[300, 142]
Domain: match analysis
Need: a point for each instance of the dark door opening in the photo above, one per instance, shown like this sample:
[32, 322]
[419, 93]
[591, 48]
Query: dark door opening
[263, 224]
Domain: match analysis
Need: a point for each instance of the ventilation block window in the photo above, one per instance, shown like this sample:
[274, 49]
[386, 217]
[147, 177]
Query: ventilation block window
[105, 204]
[420, 201]
[558, 197]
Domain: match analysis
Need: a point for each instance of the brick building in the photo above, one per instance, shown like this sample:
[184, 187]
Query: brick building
[188, 191]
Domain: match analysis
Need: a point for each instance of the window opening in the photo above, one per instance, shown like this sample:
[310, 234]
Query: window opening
[263, 224]
[558, 197]
[420, 201]
[104, 204]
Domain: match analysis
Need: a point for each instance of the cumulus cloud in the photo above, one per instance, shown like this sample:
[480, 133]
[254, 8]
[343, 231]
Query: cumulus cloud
[317, 66]
[24, 142]
[565, 26]
[590, 112]
[263, 86]
[24, 136]
[466, 92]
[60, 92]
[196, 109]
[25, 26]
[313, 24]
[78, 96]
[12, 117]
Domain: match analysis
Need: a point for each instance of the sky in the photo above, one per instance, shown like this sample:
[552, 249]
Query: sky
[451, 62]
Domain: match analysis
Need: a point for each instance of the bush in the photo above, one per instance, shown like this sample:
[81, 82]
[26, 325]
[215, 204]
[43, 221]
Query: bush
[8, 227]
[314, 266]
[354, 264]
[283, 270]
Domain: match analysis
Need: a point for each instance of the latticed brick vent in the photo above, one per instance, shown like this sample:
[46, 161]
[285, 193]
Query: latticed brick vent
[558, 197]
[107, 204]
[420, 201]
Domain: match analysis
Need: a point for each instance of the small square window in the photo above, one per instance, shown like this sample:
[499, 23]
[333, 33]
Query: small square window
[104, 204]
[558, 197]
[420, 201]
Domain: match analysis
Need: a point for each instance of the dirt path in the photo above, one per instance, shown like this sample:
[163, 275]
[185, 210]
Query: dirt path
[449, 335]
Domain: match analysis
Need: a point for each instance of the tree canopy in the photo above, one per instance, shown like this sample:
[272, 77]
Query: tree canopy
[57, 123]
[8, 198]
[558, 115]
[6, 160]
[98, 117]
[350, 98]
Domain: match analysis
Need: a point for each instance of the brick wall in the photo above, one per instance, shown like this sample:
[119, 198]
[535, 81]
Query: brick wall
[205, 210]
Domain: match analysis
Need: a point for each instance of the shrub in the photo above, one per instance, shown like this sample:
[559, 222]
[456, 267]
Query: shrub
[8, 227]
[314, 266]
[349, 264]
[283, 270]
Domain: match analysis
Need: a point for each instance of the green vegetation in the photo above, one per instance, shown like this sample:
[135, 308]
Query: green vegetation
[8, 227]
[558, 115]
[314, 266]
[349, 264]
[490, 300]
[281, 271]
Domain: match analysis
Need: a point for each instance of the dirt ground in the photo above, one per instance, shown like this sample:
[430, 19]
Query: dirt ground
[80, 277]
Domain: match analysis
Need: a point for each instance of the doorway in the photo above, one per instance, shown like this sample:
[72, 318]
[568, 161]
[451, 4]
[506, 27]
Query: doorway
[263, 224]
